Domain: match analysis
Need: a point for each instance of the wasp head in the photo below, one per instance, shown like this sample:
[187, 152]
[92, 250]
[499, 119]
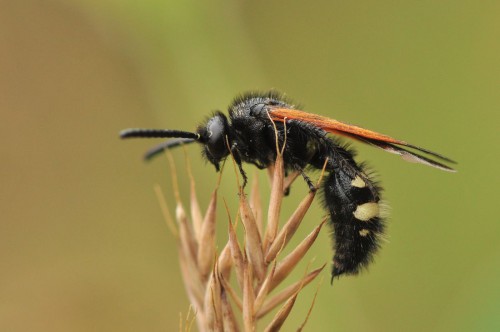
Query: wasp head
[213, 136]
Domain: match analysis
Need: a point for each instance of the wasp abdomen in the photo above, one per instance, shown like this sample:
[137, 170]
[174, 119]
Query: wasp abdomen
[354, 205]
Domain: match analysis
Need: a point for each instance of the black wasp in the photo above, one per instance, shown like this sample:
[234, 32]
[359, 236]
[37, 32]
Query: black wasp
[350, 194]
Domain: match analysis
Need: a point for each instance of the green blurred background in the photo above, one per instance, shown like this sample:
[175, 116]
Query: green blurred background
[83, 246]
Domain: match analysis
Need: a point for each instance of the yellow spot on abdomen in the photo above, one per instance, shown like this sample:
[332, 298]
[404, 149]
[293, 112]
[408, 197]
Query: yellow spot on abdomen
[358, 182]
[364, 232]
[365, 212]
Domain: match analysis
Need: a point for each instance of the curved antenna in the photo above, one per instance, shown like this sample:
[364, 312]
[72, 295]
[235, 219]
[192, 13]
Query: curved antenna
[157, 133]
[156, 150]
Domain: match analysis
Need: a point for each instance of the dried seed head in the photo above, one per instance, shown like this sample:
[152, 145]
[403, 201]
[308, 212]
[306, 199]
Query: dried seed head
[286, 265]
[256, 203]
[281, 315]
[212, 302]
[196, 214]
[236, 254]
[276, 199]
[264, 289]
[228, 317]
[206, 248]
[253, 243]
[290, 227]
[165, 211]
[248, 299]
[253, 257]
[288, 292]
[225, 262]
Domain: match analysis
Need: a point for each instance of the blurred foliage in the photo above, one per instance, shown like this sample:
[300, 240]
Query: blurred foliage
[82, 243]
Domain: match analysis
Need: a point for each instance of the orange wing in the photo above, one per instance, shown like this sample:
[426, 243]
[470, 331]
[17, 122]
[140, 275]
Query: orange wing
[382, 141]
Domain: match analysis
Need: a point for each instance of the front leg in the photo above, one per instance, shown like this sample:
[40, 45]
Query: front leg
[237, 159]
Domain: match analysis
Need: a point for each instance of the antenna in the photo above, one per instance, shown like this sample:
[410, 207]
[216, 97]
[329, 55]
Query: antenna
[157, 133]
[156, 150]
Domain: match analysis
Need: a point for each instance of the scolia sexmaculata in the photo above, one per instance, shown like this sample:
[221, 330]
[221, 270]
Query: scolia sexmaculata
[350, 194]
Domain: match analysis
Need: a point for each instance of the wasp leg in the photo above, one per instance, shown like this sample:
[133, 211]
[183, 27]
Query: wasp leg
[237, 159]
[243, 175]
[291, 177]
[312, 187]
[288, 182]
[258, 165]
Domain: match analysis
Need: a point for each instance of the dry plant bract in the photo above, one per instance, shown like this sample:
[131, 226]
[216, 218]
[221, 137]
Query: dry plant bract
[222, 304]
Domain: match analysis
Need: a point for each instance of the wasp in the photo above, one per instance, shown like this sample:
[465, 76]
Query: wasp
[351, 195]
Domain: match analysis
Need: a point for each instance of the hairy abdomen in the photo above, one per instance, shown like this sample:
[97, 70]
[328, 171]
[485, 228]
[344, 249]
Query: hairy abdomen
[353, 201]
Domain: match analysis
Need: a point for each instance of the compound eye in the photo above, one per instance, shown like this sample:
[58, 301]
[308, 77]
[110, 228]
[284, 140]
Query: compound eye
[216, 133]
